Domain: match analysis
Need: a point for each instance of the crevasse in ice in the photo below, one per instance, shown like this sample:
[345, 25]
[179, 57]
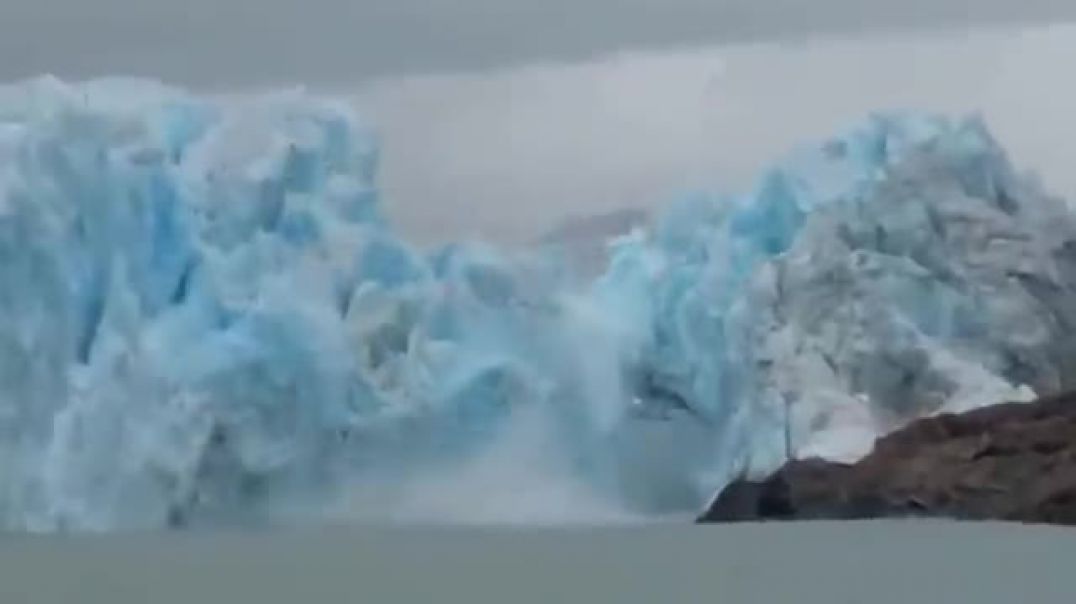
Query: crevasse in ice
[204, 317]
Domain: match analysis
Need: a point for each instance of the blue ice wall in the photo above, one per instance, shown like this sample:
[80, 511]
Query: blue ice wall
[205, 318]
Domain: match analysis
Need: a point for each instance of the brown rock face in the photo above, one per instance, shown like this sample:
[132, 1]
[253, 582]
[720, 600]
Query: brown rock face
[1006, 462]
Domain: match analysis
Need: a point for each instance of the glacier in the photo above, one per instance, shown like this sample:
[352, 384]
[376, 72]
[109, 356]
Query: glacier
[205, 319]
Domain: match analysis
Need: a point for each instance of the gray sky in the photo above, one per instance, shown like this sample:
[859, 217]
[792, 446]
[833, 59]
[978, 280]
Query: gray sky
[502, 154]
[228, 43]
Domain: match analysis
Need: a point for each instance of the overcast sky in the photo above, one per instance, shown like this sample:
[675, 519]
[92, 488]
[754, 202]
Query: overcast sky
[225, 43]
[500, 117]
[503, 154]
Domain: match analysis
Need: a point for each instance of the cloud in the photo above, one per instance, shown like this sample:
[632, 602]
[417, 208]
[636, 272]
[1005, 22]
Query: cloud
[229, 43]
[502, 155]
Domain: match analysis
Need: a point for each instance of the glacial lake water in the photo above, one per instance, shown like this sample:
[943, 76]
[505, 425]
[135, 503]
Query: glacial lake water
[889, 562]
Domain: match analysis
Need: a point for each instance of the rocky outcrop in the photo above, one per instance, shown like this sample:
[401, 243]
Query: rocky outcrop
[1014, 461]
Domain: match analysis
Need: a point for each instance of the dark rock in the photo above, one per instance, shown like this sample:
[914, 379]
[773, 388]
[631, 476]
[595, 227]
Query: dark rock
[1013, 461]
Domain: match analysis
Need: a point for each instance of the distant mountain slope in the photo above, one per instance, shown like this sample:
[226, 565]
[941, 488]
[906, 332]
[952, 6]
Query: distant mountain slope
[585, 238]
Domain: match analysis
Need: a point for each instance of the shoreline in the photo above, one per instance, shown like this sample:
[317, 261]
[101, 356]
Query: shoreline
[1011, 462]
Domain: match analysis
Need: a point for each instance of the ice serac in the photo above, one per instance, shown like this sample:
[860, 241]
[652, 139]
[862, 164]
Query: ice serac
[205, 319]
[152, 249]
[898, 271]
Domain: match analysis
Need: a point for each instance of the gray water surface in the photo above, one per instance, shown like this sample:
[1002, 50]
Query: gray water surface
[831, 563]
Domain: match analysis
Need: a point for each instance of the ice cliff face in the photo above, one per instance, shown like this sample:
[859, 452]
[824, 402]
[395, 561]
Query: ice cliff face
[901, 270]
[203, 312]
[203, 317]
